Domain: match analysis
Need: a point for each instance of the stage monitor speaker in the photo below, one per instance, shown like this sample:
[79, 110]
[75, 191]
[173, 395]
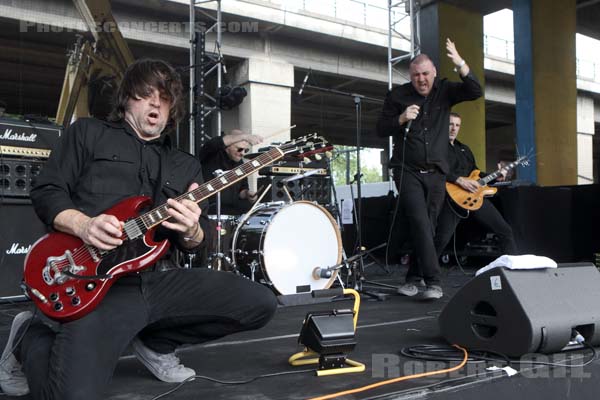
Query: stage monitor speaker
[515, 312]
[20, 229]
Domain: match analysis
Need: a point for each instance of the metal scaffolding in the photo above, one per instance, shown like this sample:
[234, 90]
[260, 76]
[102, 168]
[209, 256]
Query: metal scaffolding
[399, 12]
[203, 64]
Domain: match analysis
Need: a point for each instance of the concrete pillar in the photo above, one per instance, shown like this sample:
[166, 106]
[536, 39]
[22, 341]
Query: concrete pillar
[545, 88]
[465, 29]
[267, 108]
[585, 140]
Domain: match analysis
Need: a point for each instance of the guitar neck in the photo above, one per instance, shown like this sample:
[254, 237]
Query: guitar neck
[494, 175]
[154, 217]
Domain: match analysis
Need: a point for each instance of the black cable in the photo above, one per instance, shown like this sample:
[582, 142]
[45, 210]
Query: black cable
[450, 354]
[449, 202]
[399, 188]
[242, 382]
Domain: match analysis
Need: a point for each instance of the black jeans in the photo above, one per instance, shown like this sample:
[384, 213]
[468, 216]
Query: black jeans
[76, 360]
[487, 215]
[421, 198]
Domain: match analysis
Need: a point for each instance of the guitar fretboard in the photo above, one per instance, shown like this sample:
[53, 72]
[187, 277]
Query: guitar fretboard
[494, 175]
[160, 214]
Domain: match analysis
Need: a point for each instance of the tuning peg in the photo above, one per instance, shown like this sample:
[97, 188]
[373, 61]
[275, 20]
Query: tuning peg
[318, 157]
[328, 154]
[306, 160]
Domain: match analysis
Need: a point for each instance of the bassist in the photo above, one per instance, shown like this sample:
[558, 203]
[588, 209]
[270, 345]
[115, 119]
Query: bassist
[461, 162]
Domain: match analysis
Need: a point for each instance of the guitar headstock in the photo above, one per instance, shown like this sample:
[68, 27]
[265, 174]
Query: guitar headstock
[523, 161]
[306, 147]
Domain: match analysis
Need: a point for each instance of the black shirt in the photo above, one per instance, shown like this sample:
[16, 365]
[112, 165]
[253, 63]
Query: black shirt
[97, 164]
[213, 157]
[427, 140]
[461, 161]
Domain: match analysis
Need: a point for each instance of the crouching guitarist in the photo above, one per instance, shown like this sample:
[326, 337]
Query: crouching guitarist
[99, 165]
[462, 163]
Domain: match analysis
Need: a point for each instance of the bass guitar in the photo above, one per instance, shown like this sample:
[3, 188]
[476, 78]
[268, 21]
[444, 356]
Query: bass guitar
[67, 278]
[473, 201]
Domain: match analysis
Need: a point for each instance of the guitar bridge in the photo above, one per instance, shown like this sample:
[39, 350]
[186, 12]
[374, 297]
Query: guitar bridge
[54, 271]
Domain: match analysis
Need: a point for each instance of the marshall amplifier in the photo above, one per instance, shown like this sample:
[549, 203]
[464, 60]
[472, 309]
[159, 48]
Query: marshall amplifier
[312, 188]
[24, 147]
[20, 229]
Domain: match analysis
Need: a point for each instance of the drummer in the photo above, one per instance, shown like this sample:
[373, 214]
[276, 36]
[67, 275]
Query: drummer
[226, 152]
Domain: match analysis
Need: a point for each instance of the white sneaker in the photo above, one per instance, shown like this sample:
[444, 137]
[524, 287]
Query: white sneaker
[432, 292]
[12, 378]
[408, 289]
[166, 367]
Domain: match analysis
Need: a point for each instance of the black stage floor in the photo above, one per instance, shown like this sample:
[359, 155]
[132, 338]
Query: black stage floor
[384, 328]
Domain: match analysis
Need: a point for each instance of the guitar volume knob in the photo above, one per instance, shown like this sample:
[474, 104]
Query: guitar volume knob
[70, 291]
[53, 297]
[58, 306]
[76, 301]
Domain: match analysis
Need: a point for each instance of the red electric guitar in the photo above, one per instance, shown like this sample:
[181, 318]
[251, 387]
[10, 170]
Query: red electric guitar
[67, 278]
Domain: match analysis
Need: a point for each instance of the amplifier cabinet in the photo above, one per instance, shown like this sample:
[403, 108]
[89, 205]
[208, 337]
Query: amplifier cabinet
[20, 229]
[311, 188]
[17, 175]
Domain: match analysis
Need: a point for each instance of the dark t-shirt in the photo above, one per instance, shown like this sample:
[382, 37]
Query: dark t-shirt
[213, 157]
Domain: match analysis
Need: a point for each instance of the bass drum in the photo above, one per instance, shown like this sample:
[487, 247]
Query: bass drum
[281, 245]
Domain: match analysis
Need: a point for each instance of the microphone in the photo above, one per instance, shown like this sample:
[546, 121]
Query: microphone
[321, 273]
[304, 83]
[408, 124]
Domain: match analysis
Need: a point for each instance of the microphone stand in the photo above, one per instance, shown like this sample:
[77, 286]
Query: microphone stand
[359, 270]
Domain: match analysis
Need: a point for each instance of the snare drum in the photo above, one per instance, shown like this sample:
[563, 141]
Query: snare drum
[282, 244]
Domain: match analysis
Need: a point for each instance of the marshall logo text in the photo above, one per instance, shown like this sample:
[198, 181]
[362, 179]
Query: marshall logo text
[17, 248]
[21, 137]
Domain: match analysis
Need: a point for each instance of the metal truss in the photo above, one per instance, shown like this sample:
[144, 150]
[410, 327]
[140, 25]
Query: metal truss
[399, 12]
[204, 64]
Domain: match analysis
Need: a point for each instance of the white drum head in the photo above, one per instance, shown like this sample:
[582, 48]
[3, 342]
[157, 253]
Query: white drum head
[301, 237]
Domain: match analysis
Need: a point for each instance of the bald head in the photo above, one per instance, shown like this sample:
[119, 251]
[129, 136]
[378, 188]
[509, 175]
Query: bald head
[422, 74]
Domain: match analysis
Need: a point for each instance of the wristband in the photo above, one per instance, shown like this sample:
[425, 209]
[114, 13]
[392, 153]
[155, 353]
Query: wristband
[193, 237]
[460, 65]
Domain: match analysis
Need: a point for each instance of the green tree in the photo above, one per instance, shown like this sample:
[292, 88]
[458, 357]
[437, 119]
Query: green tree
[344, 159]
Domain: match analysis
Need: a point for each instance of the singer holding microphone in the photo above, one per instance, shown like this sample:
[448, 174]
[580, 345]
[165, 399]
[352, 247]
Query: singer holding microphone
[416, 115]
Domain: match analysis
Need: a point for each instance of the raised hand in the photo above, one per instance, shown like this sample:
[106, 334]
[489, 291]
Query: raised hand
[453, 53]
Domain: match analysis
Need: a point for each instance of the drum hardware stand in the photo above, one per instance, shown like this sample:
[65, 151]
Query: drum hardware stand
[358, 99]
[219, 256]
[242, 221]
[353, 266]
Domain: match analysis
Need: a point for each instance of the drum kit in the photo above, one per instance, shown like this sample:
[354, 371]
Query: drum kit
[283, 245]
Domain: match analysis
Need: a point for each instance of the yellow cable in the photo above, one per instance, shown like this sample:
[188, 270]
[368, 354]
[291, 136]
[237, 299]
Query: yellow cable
[402, 378]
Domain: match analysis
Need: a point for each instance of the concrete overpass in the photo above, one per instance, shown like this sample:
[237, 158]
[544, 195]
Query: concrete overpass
[269, 48]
